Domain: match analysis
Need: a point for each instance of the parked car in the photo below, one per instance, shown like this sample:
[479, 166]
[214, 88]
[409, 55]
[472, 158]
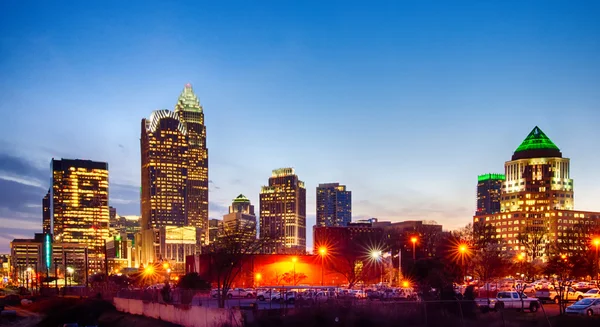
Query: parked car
[263, 295]
[288, 297]
[587, 307]
[593, 293]
[240, 292]
[508, 300]
[570, 294]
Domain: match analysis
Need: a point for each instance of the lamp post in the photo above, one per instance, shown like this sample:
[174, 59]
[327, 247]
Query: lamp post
[596, 243]
[463, 251]
[294, 260]
[377, 255]
[322, 253]
[414, 243]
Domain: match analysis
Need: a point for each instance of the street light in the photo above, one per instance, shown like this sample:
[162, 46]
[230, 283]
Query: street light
[322, 253]
[378, 256]
[257, 278]
[596, 242]
[414, 242]
[463, 250]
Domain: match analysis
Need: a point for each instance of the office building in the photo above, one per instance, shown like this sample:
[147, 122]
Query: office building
[489, 188]
[283, 212]
[79, 206]
[214, 225]
[168, 244]
[241, 219]
[334, 205]
[46, 218]
[190, 112]
[538, 198]
[174, 166]
[164, 170]
[41, 256]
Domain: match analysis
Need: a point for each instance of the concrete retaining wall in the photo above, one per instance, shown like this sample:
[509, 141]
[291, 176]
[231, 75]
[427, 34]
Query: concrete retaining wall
[188, 316]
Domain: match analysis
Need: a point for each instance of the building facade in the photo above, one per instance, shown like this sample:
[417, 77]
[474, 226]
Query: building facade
[489, 188]
[241, 218]
[537, 201]
[334, 205]
[79, 206]
[190, 112]
[214, 225]
[46, 218]
[283, 212]
[174, 170]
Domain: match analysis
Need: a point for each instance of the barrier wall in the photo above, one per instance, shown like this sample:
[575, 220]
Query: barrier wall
[188, 316]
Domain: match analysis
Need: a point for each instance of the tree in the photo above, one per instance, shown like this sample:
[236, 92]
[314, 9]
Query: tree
[291, 278]
[228, 252]
[489, 262]
[193, 281]
[353, 259]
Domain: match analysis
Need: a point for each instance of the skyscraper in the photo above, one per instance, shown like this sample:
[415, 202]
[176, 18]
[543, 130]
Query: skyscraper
[537, 212]
[241, 218]
[164, 147]
[489, 188]
[283, 211]
[190, 112]
[175, 166]
[46, 219]
[79, 206]
[334, 205]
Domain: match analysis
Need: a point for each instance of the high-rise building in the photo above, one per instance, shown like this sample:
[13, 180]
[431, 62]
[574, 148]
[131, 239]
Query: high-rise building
[283, 212]
[164, 148]
[537, 199]
[79, 206]
[489, 188]
[241, 218]
[175, 166]
[191, 114]
[46, 218]
[213, 229]
[334, 205]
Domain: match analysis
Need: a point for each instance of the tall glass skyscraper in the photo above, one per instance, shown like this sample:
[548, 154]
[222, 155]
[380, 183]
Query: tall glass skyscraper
[334, 205]
[79, 206]
[175, 166]
[283, 212]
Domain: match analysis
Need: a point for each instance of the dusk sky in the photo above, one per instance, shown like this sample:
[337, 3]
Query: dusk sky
[405, 102]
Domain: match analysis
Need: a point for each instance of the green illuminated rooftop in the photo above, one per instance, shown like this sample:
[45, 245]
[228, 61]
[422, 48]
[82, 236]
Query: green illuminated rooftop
[537, 140]
[487, 177]
[241, 198]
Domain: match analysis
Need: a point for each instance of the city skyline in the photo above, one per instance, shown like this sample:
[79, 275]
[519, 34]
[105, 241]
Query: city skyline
[422, 113]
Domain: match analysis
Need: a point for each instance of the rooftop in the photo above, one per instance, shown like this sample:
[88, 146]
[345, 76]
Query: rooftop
[536, 145]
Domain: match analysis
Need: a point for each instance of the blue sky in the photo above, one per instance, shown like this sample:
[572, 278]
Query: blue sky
[403, 101]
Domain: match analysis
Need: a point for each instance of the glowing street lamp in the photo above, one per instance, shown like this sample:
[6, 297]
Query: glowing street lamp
[596, 242]
[414, 240]
[463, 250]
[378, 256]
[166, 265]
[322, 253]
[149, 270]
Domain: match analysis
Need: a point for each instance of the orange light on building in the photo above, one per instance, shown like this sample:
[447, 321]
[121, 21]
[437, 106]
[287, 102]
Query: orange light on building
[596, 242]
[166, 265]
[521, 256]
[294, 259]
[258, 276]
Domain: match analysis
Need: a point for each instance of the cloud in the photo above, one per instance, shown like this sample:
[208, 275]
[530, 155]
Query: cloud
[217, 210]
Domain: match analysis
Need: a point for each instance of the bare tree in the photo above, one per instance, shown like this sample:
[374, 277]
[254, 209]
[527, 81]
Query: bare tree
[534, 239]
[353, 259]
[229, 252]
